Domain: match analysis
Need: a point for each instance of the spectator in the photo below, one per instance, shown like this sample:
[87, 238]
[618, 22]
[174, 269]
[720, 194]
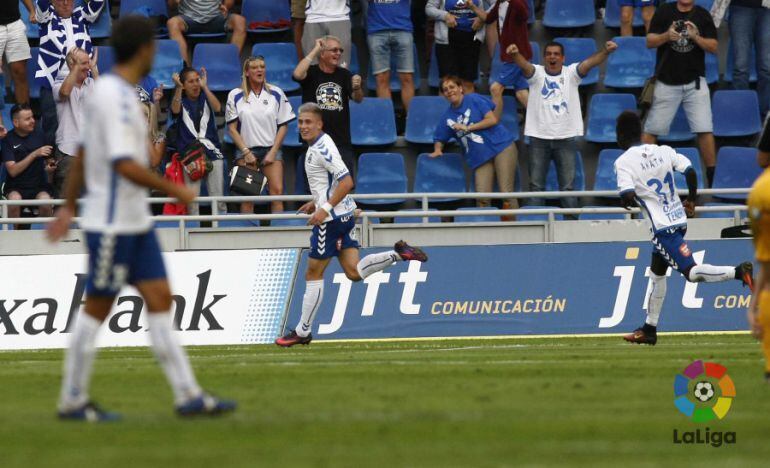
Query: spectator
[70, 94]
[328, 18]
[298, 24]
[750, 25]
[554, 118]
[331, 87]
[205, 17]
[489, 148]
[150, 94]
[257, 115]
[193, 107]
[682, 32]
[458, 38]
[389, 29]
[627, 14]
[24, 154]
[15, 47]
[62, 27]
[510, 16]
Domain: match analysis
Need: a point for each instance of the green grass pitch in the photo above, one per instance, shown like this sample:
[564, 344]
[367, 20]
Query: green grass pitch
[506, 402]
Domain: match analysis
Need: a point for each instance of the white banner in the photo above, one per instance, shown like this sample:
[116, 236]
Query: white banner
[220, 297]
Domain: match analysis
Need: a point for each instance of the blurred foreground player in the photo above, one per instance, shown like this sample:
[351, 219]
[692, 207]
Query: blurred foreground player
[759, 215]
[646, 177]
[112, 161]
[333, 223]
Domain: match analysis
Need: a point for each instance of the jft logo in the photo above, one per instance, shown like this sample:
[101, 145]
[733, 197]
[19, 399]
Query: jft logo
[410, 279]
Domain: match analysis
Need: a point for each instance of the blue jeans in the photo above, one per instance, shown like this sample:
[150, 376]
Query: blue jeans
[563, 153]
[751, 26]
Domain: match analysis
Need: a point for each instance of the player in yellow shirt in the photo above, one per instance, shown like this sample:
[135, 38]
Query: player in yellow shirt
[759, 215]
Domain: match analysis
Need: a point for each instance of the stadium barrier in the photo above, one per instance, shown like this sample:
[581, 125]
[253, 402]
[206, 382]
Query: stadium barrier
[222, 297]
[546, 289]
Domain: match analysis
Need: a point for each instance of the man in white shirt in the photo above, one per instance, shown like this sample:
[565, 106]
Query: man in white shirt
[70, 93]
[333, 224]
[554, 117]
[645, 174]
[328, 18]
[112, 161]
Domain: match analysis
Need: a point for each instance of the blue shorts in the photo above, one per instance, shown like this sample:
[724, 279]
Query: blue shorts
[637, 3]
[391, 43]
[509, 75]
[115, 260]
[670, 245]
[329, 239]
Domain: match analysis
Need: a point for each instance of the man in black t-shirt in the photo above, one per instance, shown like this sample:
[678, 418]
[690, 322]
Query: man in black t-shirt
[683, 32]
[14, 47]
[28, 161]
[331, 87]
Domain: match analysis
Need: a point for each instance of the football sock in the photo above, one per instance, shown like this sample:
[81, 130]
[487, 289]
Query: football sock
[172, 358]
[764, 321]
[711, 273]
[655, 301]
[376, 262]
[311, 301]
[79, 362]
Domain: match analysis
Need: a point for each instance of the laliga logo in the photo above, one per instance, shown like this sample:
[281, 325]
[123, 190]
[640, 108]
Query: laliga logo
[703, 392]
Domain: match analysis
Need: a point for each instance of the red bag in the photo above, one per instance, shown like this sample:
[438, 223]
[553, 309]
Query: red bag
[175, 173]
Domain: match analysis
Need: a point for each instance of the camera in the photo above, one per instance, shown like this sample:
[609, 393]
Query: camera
[680, 27]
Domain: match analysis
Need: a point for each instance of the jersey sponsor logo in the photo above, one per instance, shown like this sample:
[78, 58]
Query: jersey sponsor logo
[329, 96]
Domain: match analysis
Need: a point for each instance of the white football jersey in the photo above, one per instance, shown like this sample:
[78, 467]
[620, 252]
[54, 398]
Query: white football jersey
[114, 128]
[324, 169]
[648, 170]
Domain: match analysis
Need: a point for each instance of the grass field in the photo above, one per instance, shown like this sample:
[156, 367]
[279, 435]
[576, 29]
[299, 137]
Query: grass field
[511, 402]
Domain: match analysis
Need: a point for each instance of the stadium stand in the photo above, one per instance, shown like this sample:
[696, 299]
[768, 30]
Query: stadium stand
[719, 214]
[410, 220]
[631, 64]
[106, 58]
[603, 110]
[280, 60]
[577, 49]
[292, 135]
[736, 168]
[536, 217]
[605, 170]
[490, 218]
[101, 28]
[694, 156]
[735, 113]
[34, 85]
[288, 221]
[168, 60]
[442, 174]
[372, 122]
[222, 64]
[612, 15]
[381, 173]
[599, 216]
[569, 13]
[266, 16]
[422, 118]
[149, 8]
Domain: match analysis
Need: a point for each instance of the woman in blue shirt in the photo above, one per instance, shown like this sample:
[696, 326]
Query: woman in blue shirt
[489, 148]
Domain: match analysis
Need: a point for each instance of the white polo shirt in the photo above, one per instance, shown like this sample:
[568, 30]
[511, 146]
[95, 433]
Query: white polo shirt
[70, 113]
[260, 115]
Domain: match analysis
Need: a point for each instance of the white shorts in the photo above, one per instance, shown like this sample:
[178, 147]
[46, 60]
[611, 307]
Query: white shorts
[666, 100]
[14, 46]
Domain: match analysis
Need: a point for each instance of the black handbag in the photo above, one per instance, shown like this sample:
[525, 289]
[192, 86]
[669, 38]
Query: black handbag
[245, 181]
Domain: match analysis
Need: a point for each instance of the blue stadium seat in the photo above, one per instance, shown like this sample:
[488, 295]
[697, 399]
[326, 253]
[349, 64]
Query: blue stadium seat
[106, 58]
[372, 122]
[395, 82]
[266, 11]
[34, 85]
[424, 114]
[631, 64]
[442, 174]
[569, 13]
[280, 59]
[720, 214]
[577, 49]
[143, 7]
[712, 68]
[603, 111]
[490, 218]
[103, 25]
[222, 64]
[381, 173]
[731, 64]
[292, 135]
[33, 30]
[612, 15]
[289, 221]
[599, 216]
[510, 118]
[605, 178]
[735, 113]
[704, 3]
[411, 220]
[552, 182]
[694, 156]
[680, 128]
[168, 60]
[536, 217]
[531, 7]
[497, 63]
[354, 66]
[736, 168]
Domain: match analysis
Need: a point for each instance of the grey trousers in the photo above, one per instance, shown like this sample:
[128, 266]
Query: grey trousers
[215, 181]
